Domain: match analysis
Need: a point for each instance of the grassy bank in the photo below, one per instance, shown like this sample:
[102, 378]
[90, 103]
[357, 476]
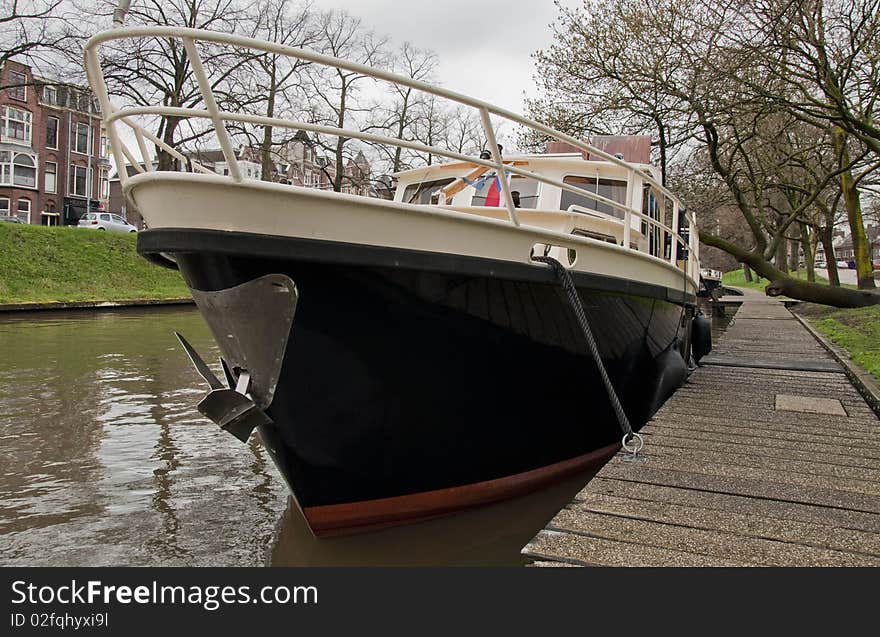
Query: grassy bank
[737, 279]
[43, 265]
[857, 330]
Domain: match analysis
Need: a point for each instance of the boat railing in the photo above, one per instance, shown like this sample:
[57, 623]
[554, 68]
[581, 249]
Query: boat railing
[679, 244]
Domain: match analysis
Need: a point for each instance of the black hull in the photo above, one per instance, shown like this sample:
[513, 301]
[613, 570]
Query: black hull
[407, 374]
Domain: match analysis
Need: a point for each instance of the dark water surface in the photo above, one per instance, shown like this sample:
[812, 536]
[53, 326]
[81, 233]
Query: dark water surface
[103, 457]
[104, 460]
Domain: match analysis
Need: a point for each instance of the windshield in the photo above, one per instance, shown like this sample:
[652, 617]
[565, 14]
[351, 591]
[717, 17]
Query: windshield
[421, 192]
[487, 191]
[613, 189]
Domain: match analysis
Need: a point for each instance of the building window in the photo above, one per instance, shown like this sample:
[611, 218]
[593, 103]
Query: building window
[51, 177]
[50, 95]
[24, 169]
[50, 216]
[16, 126]
[52, 133]
[78, 181]
[4, 207]
[17, 86]
[23, 210]
[105, 147]
[18, 169]
[104, 184]
[80, 136]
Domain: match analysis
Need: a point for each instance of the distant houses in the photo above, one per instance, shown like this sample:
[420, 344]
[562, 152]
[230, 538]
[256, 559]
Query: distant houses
[54, 157]
[843, 245]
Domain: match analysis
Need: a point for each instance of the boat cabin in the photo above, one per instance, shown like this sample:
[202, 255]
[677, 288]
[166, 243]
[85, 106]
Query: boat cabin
[476, 190]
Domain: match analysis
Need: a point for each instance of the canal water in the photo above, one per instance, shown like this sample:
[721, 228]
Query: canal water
[104, 460]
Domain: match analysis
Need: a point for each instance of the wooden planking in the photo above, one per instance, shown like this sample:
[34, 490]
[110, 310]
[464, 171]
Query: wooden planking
[730, 480]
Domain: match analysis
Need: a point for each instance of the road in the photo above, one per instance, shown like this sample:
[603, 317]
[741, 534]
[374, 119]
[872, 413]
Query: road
[846, 276]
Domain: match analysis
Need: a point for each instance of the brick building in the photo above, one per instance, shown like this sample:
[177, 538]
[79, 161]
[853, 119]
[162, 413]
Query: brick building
[54, 161]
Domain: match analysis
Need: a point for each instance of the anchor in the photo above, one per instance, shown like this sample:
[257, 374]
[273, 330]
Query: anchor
[228, 406]
[253, 346]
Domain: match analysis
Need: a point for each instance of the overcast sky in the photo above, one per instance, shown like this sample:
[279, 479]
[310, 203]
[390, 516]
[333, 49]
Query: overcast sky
[484, 47]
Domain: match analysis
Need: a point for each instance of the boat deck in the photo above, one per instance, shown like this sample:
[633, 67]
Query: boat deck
[767, 456]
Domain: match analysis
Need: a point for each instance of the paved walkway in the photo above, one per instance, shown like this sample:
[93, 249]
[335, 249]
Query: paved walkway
[767, 456]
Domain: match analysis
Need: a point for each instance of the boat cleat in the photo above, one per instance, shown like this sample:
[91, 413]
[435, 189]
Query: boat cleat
[230, 406]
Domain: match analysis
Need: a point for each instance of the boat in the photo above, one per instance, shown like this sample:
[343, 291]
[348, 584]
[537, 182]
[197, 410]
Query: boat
[710, 282]
[506, 322]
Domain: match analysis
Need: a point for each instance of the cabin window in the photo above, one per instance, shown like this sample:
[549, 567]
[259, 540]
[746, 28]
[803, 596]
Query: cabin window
[421, 192]
[490, 188]
[613, 189]
[651, 209]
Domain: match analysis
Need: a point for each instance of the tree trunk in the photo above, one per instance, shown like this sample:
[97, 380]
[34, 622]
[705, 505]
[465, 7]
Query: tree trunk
[794, 263]
[830, 259]
[401, 125]
[864, 269]
[266, 146]
[340, 143]
[747, 272]
[783, 285]
[814, 249]
[807, 245]
[782, 257]
[164, 159]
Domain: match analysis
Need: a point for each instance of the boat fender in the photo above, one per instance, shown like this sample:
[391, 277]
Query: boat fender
[701, 337]
[671, 373]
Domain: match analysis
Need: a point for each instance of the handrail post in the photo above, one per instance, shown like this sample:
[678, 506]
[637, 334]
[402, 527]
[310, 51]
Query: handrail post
[142, 145]
[627, 217]
[496, 154]
[673, 252]
[212, 108]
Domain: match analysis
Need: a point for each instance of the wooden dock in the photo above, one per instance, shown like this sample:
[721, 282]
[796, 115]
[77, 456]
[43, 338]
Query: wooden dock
[767, 456]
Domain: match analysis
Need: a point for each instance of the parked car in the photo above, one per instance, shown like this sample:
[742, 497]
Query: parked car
[877, 264]
[105, 221]
[820, 264]
[10, 219]
[842, 265]
[851, 265]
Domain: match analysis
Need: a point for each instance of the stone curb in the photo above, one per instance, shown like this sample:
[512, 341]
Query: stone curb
[861, 379]
[82, 305]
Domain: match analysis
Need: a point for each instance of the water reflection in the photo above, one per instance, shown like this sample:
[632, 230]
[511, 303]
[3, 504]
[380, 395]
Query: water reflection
[104, 459]
[487, 536]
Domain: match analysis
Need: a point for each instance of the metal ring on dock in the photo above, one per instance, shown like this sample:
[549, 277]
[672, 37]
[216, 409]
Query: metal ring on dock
[636, 448]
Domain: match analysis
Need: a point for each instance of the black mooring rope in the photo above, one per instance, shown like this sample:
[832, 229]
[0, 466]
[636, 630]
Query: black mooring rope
[575, 301]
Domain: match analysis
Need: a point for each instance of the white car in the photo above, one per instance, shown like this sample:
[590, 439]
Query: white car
[105, 221]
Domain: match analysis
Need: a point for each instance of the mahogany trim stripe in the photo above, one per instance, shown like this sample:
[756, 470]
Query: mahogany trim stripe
[353, 517]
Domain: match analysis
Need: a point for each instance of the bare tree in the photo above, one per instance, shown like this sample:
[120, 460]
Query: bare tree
[275, 82]
[150, 71]
[337, 92]
[30, 28]
[408, 107]
[688, 55]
